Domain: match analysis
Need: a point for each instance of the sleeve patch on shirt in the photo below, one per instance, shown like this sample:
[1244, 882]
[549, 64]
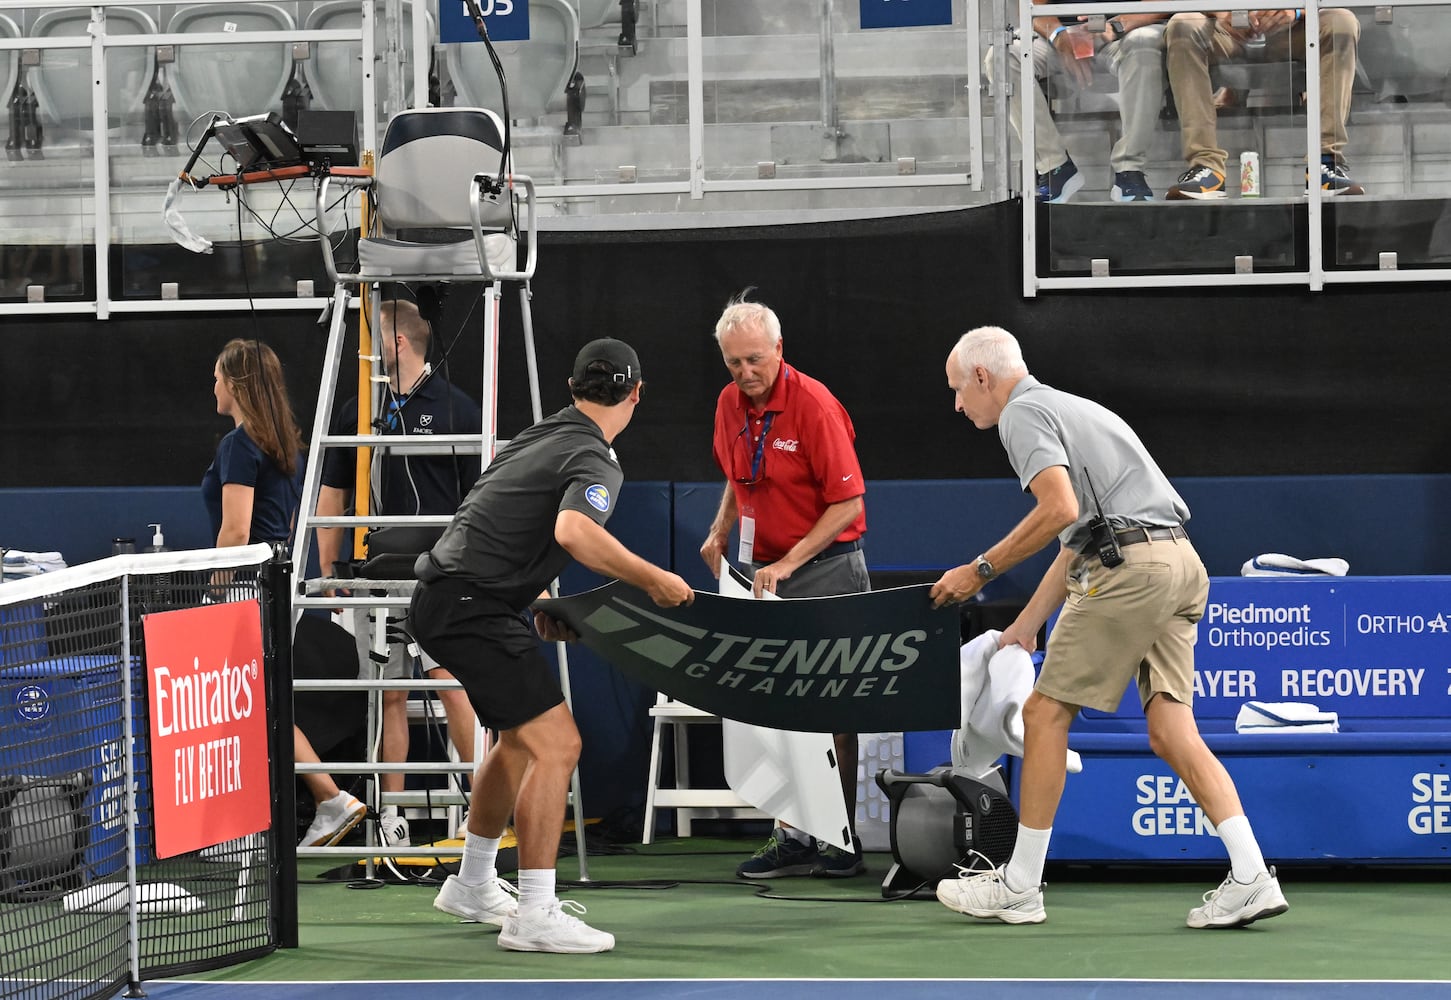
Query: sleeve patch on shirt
[598, 497]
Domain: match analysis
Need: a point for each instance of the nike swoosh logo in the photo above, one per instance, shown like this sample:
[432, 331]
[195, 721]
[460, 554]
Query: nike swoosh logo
[845, 478]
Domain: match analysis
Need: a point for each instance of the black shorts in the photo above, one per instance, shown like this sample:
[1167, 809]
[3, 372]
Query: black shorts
[488, 647]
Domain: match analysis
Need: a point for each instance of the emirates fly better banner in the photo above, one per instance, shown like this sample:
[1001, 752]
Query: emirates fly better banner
[208, 720]
[875, 662]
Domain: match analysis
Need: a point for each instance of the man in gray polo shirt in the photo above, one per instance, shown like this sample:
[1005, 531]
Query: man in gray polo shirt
[1132, 593]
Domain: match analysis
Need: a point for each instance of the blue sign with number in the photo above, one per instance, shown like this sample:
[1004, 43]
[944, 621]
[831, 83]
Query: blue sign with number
[506, 20]
[905, 13]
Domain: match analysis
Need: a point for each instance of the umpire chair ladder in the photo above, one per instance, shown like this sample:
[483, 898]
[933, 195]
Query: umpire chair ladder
[443, 206]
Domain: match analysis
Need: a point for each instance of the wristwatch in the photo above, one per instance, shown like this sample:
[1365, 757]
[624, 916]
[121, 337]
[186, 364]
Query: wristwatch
[985, 569]
[1118, 28]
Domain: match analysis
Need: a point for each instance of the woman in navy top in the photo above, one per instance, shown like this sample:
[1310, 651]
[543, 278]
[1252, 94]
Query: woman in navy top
[251, 488]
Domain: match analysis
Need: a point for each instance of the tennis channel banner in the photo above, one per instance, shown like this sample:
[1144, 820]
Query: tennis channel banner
[875, 662]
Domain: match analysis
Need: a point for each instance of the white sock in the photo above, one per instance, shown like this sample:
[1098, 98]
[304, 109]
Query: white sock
[536, 888]
[1245, 860]
[1024, 869]
[480, 854]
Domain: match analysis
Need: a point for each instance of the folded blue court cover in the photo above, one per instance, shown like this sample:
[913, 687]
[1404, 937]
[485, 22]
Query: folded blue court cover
[882, 661]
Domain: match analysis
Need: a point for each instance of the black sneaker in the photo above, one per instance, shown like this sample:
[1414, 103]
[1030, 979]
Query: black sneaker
[836, 863]
[779, 858]
[1131, 185]
[1059, 184]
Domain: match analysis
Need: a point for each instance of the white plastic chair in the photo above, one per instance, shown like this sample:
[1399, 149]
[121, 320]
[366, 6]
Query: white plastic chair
[432, 220]
[241, 80]
[62, 81]
[337, 67]
[543, 72]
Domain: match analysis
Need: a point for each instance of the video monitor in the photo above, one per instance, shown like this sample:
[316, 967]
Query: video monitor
[260, 142]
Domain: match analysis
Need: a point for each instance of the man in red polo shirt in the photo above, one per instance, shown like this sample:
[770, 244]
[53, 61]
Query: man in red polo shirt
[794, 488]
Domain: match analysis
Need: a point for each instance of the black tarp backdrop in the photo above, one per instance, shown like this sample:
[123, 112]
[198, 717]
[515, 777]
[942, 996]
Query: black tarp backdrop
[1217, 381]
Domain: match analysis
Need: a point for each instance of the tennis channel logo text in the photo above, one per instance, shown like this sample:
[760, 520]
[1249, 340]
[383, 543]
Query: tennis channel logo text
[857, 666]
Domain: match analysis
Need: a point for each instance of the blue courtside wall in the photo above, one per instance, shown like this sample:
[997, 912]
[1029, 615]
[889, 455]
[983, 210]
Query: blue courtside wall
[1383, 525]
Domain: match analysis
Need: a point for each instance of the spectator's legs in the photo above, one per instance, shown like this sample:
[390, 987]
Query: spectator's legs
[1138, 62]
[1049, 151]
[1339, 36]
[1193, 43]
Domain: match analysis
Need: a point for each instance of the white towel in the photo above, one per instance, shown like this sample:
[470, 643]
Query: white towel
[1284, 717]
[995, 684]
[17, 563]
[1279, 564]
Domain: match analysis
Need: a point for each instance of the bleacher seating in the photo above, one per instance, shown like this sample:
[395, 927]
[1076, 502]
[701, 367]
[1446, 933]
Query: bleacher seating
[62, 80]
[9, 61]
[543, 72]
[244, 79]
[336, 73]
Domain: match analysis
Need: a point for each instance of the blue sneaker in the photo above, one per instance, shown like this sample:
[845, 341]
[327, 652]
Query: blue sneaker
[1334, 178]
[1199, 184]
[781, 857]
[836, 863]
[1131, 185]
[1059, 184]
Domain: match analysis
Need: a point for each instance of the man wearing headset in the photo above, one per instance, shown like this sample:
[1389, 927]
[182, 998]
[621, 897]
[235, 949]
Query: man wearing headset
[418, 400]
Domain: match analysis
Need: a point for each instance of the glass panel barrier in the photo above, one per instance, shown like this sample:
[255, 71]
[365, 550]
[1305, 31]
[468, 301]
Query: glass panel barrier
[46, 188]
[787, 101]
[1180, 140]
[1399, 144]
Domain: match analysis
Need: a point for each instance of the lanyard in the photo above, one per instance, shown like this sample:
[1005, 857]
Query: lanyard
[760, 454]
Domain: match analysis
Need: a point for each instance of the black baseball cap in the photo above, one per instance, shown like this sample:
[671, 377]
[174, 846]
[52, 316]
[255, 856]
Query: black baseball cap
[623, 363]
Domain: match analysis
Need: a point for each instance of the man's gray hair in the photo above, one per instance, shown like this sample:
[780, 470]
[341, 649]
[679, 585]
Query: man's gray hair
[993, 348]
[740, 313]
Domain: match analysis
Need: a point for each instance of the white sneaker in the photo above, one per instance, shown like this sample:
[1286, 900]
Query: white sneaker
[393, 829]
[334, 819]
[986, 895]
[1239, 904]
[490, 903]
[551, 929]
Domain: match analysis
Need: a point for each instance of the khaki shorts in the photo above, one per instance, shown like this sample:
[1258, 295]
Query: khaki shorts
[1136, 621]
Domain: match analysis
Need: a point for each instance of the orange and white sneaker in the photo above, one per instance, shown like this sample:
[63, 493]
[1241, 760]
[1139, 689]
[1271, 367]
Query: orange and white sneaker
[1198, 184]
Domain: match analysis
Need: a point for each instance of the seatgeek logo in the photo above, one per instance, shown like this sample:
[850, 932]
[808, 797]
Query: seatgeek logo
[836, 667]
[598, 497]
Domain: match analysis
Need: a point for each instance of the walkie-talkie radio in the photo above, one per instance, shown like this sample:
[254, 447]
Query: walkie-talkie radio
[1104, 540]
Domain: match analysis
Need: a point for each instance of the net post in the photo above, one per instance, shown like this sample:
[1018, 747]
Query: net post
[277, 646]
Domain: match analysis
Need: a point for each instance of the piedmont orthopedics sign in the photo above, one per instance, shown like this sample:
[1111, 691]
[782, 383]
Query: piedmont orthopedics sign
[208, 718]
[880, 661]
